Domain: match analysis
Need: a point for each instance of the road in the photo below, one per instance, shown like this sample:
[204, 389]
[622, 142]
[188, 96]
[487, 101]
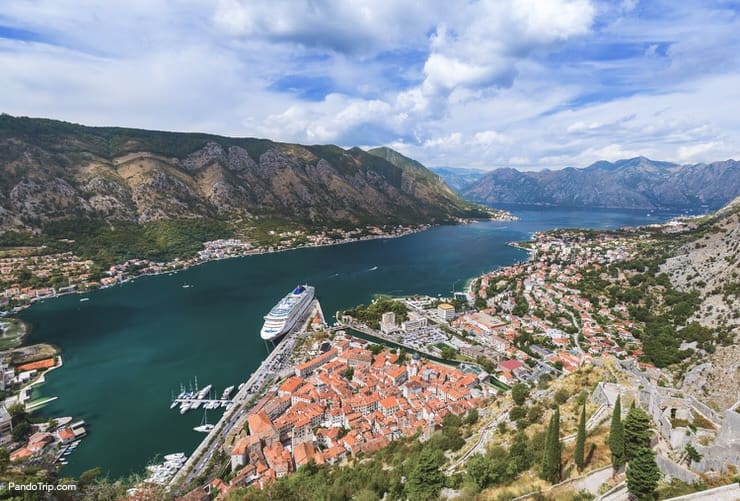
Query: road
[483, 439]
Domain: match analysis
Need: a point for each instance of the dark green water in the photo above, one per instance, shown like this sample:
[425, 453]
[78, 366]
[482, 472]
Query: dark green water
[129, 346]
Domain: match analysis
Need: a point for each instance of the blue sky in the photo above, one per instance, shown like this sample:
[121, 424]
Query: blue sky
[524, 83]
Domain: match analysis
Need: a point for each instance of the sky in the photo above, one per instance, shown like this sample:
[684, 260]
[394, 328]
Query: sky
[529, 84]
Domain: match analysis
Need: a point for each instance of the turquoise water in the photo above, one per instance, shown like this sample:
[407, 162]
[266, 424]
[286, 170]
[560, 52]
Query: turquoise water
[128, 347]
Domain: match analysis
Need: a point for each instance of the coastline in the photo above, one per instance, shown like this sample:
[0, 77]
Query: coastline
[257, 251]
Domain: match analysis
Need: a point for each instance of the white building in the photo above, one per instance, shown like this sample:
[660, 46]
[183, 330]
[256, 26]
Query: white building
[6, 426]
[414, 323]
[6, 375]
[446, 311]
[388, 323]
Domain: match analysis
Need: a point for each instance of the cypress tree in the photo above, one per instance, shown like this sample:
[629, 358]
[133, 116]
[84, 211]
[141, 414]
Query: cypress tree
[545, 464]
[616, 436]
[643, 474]
[551, 457]
[637, 432]
[581, 441]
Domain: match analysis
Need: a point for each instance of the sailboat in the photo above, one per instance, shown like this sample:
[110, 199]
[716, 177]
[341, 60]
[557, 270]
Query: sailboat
[204, 426]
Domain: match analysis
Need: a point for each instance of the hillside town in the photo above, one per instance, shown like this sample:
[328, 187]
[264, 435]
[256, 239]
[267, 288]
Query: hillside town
[344, 401]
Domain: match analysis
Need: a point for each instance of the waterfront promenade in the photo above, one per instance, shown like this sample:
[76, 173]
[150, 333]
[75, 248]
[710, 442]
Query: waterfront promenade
[252, 388]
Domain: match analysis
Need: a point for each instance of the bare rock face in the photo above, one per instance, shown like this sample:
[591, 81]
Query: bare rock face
[710, 265]
[55, 170]
[40, 200]
[238, 159]
[110, 199]
[211, 152]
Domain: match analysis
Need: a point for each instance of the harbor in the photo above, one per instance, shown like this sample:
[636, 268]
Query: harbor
[194, 399]
[275, 364]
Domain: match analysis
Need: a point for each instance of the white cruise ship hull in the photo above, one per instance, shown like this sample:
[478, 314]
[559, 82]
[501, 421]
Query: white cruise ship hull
[284, 315]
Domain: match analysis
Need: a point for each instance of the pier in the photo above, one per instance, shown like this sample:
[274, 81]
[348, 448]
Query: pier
[195, 403]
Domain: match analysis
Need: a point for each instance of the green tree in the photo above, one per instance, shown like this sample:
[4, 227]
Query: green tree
[425, 480]
[551, 457]
[478, 470]
[579, 457]
[519, 455]
[643, 474]
[616, 436]
[691, 452]
[480, 303]
[4, 459]
[88, 477]
[519, 392]
[637, 432]
[561, 396]
[472, 417]
[21, 431]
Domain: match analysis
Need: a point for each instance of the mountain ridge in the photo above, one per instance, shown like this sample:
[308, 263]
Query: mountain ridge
[635, 183]
[53, 170]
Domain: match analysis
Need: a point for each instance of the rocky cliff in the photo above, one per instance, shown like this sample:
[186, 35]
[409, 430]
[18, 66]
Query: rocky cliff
[709, 263]
[51, 170]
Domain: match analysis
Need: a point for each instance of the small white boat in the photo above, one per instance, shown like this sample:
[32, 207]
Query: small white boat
[204, 426]
[186, 286]
[184, 408]
[82, 300]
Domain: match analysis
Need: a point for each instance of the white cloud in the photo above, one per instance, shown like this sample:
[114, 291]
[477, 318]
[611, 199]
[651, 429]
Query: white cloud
[486, 84]
[687, 153]
[488, 137]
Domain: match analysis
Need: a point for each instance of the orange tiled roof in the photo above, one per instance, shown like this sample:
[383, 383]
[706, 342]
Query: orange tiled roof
[39, 364]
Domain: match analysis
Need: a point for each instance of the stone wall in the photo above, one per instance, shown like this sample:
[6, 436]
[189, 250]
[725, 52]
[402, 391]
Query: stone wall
[708, 412]
[729, 432]
[673, 470]
[725, 493]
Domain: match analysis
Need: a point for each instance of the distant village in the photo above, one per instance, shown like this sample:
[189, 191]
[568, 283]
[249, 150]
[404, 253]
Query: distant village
[26, 278]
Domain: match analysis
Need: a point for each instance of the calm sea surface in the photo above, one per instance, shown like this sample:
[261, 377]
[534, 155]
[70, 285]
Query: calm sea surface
[129, 346]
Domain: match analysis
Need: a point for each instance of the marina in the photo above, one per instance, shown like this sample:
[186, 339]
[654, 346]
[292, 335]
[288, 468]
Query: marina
[194, 399]
[162, 473]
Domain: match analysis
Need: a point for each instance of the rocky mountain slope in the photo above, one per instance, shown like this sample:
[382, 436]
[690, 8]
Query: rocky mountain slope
[51, 170]
[710, 264]
[637, 183]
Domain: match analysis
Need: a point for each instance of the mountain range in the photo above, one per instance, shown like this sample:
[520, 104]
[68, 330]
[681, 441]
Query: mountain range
[458, 178]
[636, 183]
[52, 170]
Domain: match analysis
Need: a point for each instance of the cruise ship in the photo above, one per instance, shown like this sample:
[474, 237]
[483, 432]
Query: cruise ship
[285, 314]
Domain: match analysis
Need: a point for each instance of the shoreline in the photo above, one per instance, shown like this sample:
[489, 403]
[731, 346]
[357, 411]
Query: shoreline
[255, 252]
[11, 313]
